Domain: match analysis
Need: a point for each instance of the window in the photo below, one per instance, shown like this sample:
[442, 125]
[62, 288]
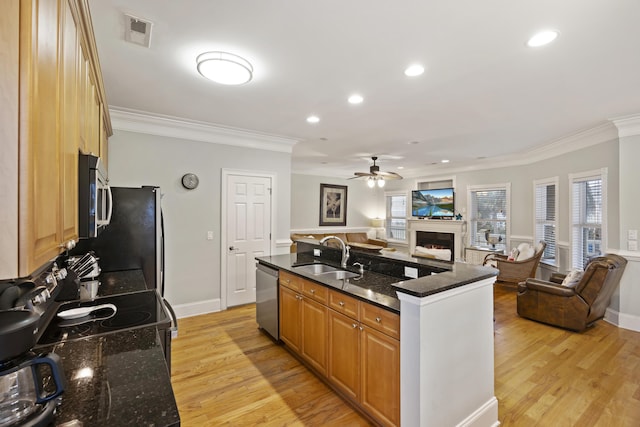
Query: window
[396, 216]
[489, 215]
[546, 214]
[588, 216]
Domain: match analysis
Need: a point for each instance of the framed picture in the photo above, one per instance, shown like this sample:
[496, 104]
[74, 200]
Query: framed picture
[333, 204]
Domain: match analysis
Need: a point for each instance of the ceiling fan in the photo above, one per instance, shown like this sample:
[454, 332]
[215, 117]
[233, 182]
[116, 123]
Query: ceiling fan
[375, 175]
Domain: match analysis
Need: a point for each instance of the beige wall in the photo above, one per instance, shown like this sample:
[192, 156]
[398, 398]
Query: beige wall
[192, 270]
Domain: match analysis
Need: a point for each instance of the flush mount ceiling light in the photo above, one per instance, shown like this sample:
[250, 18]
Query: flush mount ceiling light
[355, 99]
[542, 38]
[414, 70]
[313, 119]
[224, 68]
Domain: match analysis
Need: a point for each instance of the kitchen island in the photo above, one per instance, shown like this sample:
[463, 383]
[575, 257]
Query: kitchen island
[446, 331]
[119, 378]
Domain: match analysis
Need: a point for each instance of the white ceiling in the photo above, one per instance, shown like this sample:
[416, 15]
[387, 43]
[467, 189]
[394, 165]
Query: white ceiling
[484, 94]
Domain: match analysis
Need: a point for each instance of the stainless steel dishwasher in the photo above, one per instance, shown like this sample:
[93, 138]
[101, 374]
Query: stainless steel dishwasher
[267, 300]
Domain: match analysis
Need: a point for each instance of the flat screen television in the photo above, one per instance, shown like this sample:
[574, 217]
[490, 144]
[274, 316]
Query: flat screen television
[436, 203]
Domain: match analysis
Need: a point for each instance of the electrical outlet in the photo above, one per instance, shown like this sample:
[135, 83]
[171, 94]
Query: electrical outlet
[633, 245]
[632, 234]
[317, 252]
[411, 272]
[209, 235]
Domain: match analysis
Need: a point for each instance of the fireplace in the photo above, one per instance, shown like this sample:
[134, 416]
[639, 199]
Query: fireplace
[432, 244]
[446, 233]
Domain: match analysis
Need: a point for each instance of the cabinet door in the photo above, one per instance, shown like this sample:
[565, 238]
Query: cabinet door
[314, 334]
[290, 318]
[343, 368]
[40, 175]
[380, 363]
[69, 124]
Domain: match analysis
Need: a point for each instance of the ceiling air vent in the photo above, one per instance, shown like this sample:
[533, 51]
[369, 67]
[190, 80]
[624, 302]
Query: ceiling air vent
[137, 30]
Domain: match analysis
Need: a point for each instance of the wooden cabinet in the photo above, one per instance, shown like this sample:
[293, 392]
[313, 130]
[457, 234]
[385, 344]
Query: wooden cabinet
[355, 345]
[45, 101]
[290, 316]
[303, 321]
[380, 370]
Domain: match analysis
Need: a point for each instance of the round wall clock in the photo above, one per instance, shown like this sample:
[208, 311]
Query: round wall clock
[190, 181]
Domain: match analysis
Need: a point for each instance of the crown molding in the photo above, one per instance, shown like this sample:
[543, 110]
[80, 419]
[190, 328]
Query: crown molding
[174, 127]
[582, 139]
[627, 125]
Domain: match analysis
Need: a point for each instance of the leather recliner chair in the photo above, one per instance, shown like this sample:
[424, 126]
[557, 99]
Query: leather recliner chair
[576, 306]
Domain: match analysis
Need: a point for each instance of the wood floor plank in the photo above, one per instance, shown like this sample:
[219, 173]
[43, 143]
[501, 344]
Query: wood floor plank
[226, 372]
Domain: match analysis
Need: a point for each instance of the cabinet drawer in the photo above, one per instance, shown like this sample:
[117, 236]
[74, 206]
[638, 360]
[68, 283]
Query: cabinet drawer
[344, 304]
[315, 291]
[290, 281]
[380, 319]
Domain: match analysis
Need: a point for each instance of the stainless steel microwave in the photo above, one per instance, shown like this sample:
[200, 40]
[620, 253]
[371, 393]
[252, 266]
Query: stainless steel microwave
[95, 203]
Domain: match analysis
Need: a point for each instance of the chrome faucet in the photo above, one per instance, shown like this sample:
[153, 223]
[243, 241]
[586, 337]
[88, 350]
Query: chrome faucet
[345, 249]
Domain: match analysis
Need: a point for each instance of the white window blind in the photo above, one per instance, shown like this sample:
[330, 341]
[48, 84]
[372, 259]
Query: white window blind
[397, 217]
[546, 214]
[587, 218]
[489, 216]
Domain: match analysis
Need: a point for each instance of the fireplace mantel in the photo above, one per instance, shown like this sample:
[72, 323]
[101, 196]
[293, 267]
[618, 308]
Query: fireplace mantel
[458, 228]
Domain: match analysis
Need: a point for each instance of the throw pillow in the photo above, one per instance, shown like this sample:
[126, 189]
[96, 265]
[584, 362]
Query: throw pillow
[513, 255]
[572, 279]
[525, 252]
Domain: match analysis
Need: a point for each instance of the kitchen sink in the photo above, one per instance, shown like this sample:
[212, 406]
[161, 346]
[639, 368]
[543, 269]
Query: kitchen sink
[316, 269]
[339, 274]
[326, 271]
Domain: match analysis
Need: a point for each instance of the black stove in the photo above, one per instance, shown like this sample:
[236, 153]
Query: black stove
[134, 310]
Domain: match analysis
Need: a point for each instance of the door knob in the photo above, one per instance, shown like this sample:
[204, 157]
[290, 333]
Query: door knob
[232, 248]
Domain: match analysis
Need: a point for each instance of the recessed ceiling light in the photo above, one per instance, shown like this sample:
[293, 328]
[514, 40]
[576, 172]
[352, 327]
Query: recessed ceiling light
[313, 119]
[355, 99]
[224, 68]
[444, 161]
[400, 167]
[542, 38]
[414, 70]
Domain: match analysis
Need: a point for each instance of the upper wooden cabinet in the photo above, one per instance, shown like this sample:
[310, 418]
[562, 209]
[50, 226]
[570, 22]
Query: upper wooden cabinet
[55, 53]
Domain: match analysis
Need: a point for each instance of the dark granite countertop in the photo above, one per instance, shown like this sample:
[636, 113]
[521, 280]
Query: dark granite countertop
[116, 380]
[383, 276]
[372, 287]
[121, 282]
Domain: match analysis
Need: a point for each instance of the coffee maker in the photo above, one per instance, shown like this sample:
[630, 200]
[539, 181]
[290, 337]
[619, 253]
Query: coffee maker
[30, 384]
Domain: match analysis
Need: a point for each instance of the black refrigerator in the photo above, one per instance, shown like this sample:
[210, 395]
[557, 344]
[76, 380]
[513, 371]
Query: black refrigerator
[134, 238]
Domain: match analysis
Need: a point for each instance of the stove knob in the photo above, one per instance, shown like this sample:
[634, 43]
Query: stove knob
[41, 297]
[50, 279]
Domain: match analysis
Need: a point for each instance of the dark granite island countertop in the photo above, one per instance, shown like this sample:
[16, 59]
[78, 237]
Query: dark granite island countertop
[118, 379]
[380, 283]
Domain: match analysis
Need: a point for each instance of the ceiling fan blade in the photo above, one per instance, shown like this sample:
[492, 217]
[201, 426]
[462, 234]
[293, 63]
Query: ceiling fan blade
[389, 175]
[361, 174]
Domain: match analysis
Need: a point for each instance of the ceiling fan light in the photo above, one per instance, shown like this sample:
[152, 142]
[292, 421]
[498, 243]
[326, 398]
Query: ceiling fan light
[380, 182]
[371, 182]
[224, 68]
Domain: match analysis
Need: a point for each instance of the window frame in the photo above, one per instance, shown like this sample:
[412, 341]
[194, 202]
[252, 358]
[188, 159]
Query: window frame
[536, 238]
[472, 217]
[387, 202]
[581, 177]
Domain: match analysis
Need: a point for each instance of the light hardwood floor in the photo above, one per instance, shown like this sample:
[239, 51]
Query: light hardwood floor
[226, 372]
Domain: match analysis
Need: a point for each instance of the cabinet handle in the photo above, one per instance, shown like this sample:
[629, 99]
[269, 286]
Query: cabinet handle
[378, 319]
[341, 303]
[355, 325]
[313, 291]
[361, 328]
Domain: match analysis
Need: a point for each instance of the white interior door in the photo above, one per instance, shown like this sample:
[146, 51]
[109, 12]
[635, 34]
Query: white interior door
[248, 234]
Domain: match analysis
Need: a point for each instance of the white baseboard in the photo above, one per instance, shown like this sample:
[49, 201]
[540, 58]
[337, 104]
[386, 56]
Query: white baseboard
[197, 308]
[486, 415]
[622, 320]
